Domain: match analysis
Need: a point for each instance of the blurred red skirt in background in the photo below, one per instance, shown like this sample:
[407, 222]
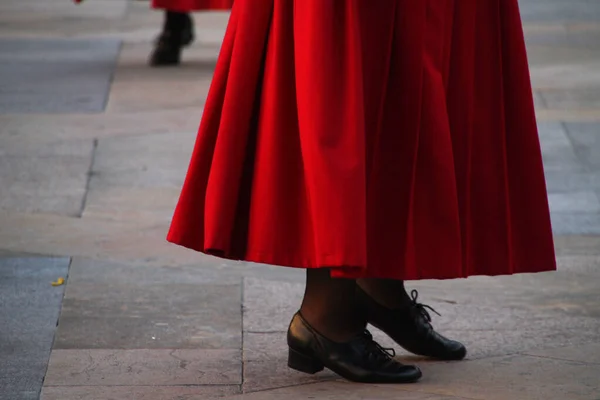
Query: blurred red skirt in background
[192, 5]
[389, 138]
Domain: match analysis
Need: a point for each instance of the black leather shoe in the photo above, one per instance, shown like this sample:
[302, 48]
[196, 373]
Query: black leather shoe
[177, 33]
[359, 360]
[411, 328]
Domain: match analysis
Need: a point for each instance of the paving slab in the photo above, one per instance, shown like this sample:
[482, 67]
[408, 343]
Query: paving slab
[153, 95]
[573, 115]
[96, 126]
[516, 377]
[152, 367]
[94, 20]
[563, 68]
[537, 292]
[15, 9]
[29, 308]
[571, 98]
[557, 150]
[340, 390]
[565, 37]
[589, 354]
[56, 75]
[538, 100]
[585, 264]
[153, 160]
[575, 202]
[559, 11]
[576, 224]
[586, 140]
[60, 20]
[196, 392]
[137, 87]
[576, 245]
[269, 305]
[553, 135]
[120, 306]
[32, 143]
[265, 364]
[562, 181]
[569, 152]
[131, 203]
[44, 178]
[96, 238]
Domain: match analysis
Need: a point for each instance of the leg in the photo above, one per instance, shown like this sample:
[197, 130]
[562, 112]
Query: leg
[177, 32]
[387, 292]
[330, 306]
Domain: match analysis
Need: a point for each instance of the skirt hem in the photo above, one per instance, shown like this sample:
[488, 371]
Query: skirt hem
[341, 269]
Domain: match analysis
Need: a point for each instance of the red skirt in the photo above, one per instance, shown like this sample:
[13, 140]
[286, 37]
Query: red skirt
[390, 139]
[192, 5]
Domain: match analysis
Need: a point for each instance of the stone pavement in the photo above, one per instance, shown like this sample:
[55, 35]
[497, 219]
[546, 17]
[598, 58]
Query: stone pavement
[94, 146]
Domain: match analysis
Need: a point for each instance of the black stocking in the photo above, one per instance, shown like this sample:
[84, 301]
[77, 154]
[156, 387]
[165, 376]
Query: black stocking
[330, 306]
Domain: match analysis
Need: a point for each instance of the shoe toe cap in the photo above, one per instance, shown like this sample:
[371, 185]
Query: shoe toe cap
[402, 373]
[456, 350]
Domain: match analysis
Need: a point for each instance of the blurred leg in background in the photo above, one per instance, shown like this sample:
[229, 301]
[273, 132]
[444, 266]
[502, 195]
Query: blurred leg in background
[178, 27]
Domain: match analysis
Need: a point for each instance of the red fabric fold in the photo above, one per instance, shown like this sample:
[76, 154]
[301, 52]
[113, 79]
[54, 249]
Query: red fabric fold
[390, 139]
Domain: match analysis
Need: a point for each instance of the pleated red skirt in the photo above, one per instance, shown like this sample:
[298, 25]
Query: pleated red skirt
[192, 5]
[390, 139]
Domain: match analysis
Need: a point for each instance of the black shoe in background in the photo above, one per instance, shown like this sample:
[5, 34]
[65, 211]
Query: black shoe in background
[178, 32]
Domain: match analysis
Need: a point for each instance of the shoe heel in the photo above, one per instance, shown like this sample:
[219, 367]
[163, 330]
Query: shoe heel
[303, 363]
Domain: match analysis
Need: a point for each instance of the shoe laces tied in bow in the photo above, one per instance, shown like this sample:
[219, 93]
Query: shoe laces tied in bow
[374, 350]
[420, 308]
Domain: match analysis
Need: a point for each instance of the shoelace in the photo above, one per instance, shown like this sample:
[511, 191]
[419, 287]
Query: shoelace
[374, 350]
[422, 308]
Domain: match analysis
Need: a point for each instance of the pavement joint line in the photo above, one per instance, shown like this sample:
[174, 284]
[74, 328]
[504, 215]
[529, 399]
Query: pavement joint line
[242, 343]
[89, 175]
[200, 105]
[551, 27]
[542, 98]
[111, 78]
[56, 326]
[560, 359]
[568, 115]
[577, 148]
[192, 385]
[405, 388]
[325, 379]
[141, 135]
